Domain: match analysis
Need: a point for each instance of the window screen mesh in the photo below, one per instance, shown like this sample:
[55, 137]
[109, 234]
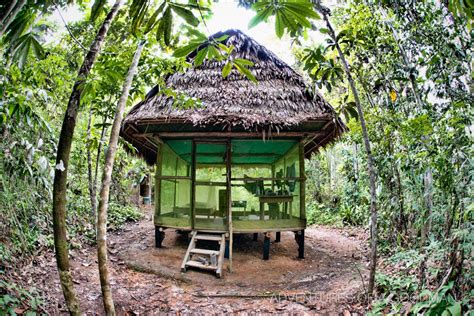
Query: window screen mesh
[265, 189]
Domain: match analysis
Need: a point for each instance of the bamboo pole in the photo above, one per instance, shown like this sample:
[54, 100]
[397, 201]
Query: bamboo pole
[229, 201]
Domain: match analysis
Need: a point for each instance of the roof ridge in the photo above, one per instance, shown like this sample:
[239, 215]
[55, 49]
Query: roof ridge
[233, 32]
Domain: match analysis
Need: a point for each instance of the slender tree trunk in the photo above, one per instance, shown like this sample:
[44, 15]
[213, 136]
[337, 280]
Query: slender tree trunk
[328, 164]
[370, 162]
[7, 19]
[62, 162]
[105, 188]
[99, 152]
[318, 180]
[92, 184]
[428, 189]
[401, 204]
[355, 163]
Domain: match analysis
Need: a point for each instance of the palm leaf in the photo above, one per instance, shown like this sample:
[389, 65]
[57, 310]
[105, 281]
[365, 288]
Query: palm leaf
[227, 69]
[153, 19]
[97, 9]
[261, 16]
[200, 56]
[279, 24]
[186, 14]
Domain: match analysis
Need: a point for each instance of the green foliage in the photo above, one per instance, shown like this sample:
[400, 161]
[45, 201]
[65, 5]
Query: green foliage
[292, 16]
[440, 302]
[24, 217]
[214, 49]
[162, 18]
[97, 9]
[396, 50]
[15, 300]
[400, 287]
[320, 214]
[119, 214]
[353, 215]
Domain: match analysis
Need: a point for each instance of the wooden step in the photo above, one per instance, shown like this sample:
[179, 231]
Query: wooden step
[208, 237]
[192, 250]
[204, 251]
[197, 264]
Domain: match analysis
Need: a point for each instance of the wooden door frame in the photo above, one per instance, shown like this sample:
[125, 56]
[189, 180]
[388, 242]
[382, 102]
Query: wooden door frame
[228, 154]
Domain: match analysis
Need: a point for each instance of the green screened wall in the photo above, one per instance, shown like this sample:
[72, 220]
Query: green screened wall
[270, 171]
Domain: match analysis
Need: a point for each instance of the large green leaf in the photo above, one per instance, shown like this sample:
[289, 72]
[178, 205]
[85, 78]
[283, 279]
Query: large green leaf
[186, 14]
[137, 20]
[261, 17]
[245, 71]
[227, 69]
[279, 25]
[243, 62]
[303, 8]
[136, 7]
[165, 26]
[153, 19]
[200, 56]
[199, 35]
[97, 9]
[186, 50]
[25, 45]
[290, 15]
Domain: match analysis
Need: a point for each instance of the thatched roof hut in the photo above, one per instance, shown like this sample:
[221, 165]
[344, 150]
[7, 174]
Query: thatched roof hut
[280, 102]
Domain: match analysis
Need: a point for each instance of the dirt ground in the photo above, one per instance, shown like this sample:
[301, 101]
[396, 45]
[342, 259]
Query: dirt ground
[147, 280]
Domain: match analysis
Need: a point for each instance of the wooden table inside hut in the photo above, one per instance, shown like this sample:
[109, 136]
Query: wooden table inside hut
[275, 201]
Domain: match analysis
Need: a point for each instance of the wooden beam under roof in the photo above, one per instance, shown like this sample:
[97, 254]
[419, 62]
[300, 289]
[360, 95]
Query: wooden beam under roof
[227, 134]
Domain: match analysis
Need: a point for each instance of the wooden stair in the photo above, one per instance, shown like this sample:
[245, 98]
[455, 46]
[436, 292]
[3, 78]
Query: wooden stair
[203, 258]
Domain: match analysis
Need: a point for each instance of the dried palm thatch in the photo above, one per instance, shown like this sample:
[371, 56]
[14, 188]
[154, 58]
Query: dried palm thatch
[280, 101]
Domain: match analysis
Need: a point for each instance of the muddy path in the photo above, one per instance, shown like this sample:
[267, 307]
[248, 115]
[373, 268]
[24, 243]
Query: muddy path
[147, 280]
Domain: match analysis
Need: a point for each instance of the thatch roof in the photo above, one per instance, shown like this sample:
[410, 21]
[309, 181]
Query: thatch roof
[279, 101]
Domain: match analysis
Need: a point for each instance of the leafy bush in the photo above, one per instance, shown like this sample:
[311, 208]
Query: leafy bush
[440, 302]
[353, 215]
[23, 217]
[322, 214]
[16, 300]
[120, 214]
[398, 286]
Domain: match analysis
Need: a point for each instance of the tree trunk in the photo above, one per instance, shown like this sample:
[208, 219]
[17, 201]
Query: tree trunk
[317, 180]
[92, 184]
[7, 19]
[328, 164]
[105, 188]
[401, 214]
[370, 162]
[428, 194]
[99, 152]
[62, 162]
[355, 163]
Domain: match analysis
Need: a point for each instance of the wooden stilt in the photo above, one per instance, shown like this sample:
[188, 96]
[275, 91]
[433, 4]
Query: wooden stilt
[278, 237]
[226, 251]
[266, 246]
[255, 236]
[159, 236]
[299, 237]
